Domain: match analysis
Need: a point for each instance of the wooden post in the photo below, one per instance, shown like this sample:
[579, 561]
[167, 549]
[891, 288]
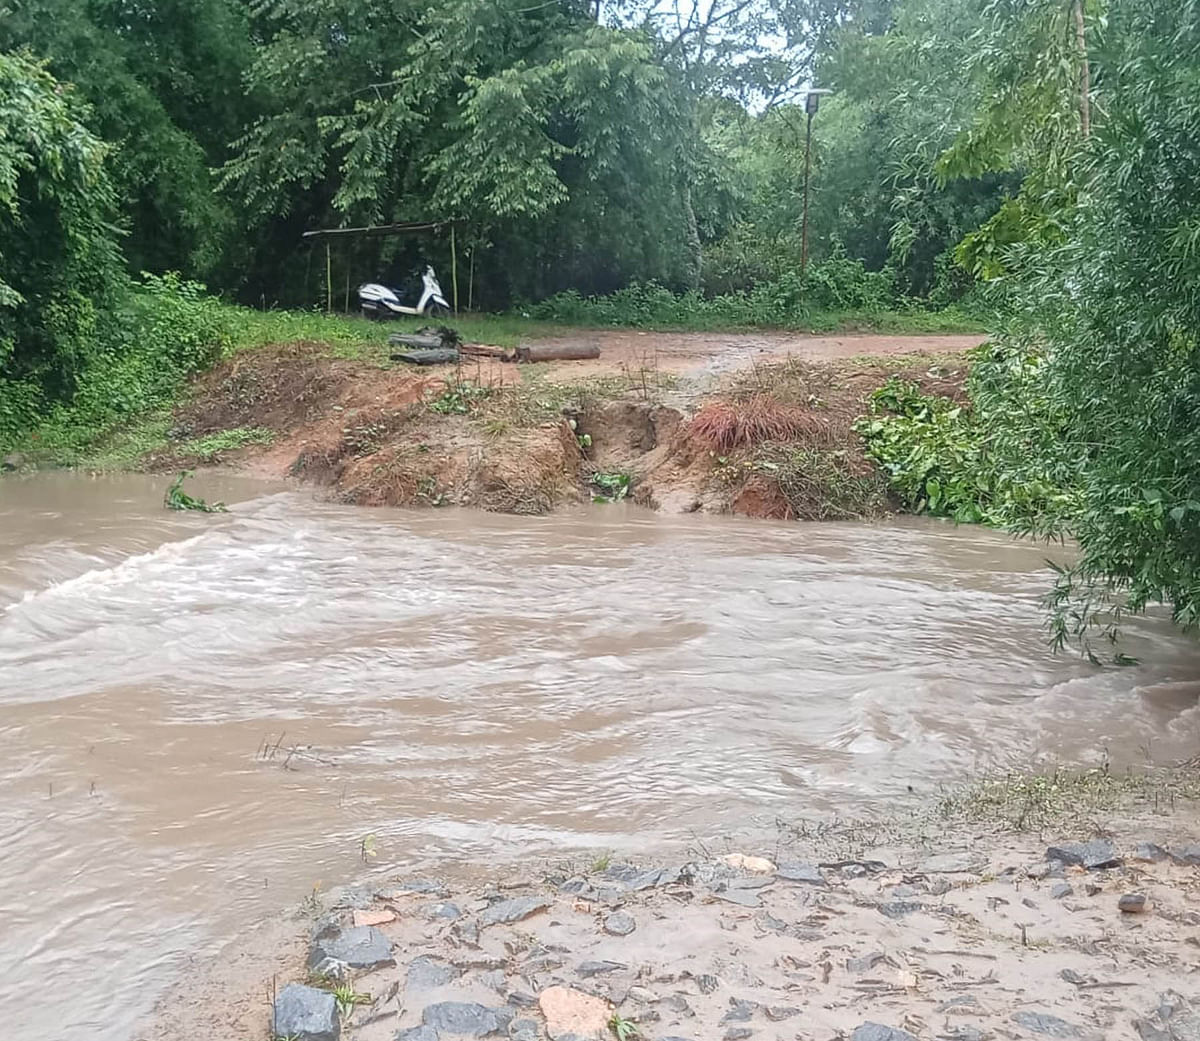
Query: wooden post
[346, 305]
[328, 280]
[454, 267]
[471, 283]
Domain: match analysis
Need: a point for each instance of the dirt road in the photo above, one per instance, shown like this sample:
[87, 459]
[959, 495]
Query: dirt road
[714, 354]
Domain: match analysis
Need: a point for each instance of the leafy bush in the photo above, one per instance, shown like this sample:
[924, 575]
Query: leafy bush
[839, 284]
[941, 458]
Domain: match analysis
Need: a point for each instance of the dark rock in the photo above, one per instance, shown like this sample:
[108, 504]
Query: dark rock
[515, 910]
[12, 461]
[1149, 853]
[778, 1013]
[610, 897]
[878, 1032]
[575, 886]
[1133, 903]
[1060, 890]
[442, 911]
[619, 924]
[1092, 889]
[706, 983]
[524, 1030]
[427, 886]
[358, 897]
[902, 891]
[750, 882]
[939, 887]
[306, 1014]
[1040, 1023]
[1187, 855]
[954, 864]
[360, 947]
[898, 908]
[740, 1011]
[678, 1004]
[588, 969]
[738, 1034]
[544, 963]
[521, 998]
[808, 874]
[466, 1019]
[1073, 977]
[428, 973]
[853, 871]
[1094, 854]
[1031, 904]
[866, 963]
[421, 1033]
[1175, 1019]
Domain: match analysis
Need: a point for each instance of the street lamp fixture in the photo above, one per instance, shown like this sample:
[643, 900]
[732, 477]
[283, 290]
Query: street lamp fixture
[811, 103]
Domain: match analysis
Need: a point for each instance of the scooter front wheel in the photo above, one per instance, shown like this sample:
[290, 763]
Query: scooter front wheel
[439, 311]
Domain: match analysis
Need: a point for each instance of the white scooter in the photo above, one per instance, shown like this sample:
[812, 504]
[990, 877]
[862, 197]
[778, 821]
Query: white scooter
[380, 302]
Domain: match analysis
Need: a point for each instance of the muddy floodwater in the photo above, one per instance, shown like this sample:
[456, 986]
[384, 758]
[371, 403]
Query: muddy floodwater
[202, 717]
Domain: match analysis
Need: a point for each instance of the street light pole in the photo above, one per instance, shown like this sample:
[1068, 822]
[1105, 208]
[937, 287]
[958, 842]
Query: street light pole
[811, 103]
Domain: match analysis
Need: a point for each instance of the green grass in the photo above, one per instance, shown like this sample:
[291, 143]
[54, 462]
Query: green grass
[212, 445]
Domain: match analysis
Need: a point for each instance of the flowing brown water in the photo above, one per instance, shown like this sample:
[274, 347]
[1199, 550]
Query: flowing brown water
[474, 687]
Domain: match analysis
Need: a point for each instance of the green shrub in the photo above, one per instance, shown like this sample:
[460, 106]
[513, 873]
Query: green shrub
[942, 459]
[838, 284]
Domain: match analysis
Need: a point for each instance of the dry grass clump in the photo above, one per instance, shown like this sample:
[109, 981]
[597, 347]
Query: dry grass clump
[723, 426]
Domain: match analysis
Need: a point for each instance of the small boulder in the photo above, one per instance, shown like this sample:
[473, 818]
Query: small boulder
[508, 911]
[429, 974]
[588, 969]
[306, 1014]
[443, 911]
[1051, 1026]
[466, 1019]
[1188, 856]
[1061, 890]
[1094, 854]
[1133, 903]
[421, 1033]
[12, 461]
[878, 1032]
[571, 1012]
[360, 947]
[1149, 853]
[619, 924]
[806, 874]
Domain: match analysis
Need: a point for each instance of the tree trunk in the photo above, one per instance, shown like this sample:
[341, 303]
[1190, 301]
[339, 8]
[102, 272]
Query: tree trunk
[1085, 75]
[695, 257]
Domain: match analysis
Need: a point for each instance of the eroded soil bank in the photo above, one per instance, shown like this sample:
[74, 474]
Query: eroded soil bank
[760, 426]
[827, 934]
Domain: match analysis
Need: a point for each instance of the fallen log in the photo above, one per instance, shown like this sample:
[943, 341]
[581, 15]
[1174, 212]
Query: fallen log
[419, 341]
[483, 350]
[438, 356]
[557, 352]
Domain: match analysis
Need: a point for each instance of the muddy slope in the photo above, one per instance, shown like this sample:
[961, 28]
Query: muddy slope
[766, 439]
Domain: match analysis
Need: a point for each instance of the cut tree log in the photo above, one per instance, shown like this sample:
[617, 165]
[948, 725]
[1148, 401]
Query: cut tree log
[557, 352]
